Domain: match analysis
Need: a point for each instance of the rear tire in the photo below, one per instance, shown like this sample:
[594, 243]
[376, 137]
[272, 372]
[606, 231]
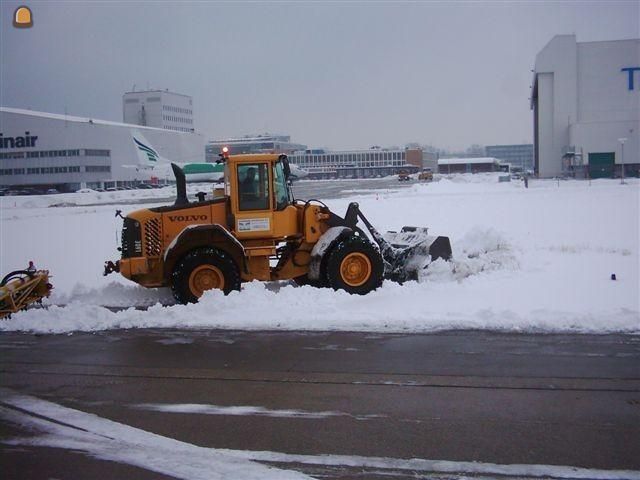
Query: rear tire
[204, 269]
[355, 266]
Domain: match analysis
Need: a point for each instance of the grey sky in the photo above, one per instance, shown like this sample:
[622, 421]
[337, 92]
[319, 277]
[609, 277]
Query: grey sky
[337, 75]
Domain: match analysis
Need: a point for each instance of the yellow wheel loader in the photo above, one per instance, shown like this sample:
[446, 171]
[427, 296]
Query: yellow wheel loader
[256, 230]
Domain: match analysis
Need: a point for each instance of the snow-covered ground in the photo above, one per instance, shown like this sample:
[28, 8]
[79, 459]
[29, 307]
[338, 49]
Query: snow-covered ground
[536, 259]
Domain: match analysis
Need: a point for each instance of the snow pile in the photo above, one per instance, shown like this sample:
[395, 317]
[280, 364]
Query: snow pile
[537, 259]
[392, 308]
[116, 294]
[480, 250]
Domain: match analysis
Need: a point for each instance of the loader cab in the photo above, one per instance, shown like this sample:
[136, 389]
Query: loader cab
[260, 196]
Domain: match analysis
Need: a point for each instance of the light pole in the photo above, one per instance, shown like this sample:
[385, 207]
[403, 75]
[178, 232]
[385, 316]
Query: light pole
[622, 140]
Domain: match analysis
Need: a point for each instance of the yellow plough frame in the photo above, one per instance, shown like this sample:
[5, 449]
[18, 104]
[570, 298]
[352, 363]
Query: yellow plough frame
[21, 288]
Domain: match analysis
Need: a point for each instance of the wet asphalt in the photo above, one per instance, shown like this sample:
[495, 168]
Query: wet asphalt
[461, 396]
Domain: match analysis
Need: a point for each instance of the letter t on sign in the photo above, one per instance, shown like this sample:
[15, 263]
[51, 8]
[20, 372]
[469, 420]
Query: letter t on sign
[631, 70]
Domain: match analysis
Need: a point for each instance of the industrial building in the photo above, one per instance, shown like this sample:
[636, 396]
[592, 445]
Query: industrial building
[266, 143]
[586, 108]
[469, 165]
[47, 150]
[518, 156]
[357, 163]
[159, 109]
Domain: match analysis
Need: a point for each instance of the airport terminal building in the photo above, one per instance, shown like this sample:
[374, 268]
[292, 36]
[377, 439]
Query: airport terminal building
[586, 108]
[46, 150]
[357, 163]
[267, 143]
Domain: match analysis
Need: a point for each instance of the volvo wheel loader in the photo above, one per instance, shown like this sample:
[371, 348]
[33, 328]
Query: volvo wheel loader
[256, 230]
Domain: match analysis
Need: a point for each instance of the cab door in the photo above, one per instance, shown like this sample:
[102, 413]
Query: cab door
[253, 203]
[285, 215]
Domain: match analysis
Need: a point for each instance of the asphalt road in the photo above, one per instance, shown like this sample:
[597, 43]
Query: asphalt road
[495, 398]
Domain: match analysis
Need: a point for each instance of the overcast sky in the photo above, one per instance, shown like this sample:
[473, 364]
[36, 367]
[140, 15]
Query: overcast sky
[331, 74]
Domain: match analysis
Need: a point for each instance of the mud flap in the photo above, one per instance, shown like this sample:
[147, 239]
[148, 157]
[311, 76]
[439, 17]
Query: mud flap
[323, 245]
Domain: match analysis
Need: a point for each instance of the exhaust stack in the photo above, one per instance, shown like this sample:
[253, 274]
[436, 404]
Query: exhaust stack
[181, 186]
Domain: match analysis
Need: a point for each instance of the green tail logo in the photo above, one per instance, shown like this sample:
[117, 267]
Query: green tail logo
[152, 155]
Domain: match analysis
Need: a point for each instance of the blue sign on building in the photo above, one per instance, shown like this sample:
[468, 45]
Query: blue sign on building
[630, 71]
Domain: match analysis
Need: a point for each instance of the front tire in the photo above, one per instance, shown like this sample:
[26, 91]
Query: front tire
[201, 270]
[355, 266]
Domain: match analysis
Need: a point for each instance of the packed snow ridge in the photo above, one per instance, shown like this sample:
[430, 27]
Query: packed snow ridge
[537, 259]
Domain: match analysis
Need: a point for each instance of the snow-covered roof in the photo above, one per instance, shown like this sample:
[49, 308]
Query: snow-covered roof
[465, 161]
[71, 118]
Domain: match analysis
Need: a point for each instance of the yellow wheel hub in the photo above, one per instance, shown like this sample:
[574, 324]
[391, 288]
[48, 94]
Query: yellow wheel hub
[355, 269]
[205, 277]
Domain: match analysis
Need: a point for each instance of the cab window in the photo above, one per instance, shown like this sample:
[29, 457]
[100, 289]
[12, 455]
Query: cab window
[253, 186]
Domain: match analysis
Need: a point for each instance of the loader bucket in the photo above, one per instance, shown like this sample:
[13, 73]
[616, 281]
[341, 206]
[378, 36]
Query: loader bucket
[411, 250]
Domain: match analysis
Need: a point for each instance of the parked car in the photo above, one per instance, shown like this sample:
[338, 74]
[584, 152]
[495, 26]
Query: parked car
[144, 186]
[85, 190]
[52, 191]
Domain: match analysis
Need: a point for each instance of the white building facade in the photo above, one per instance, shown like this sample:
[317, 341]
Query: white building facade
[586, 107]
[357, 163]
[159, 109]
[40, 149]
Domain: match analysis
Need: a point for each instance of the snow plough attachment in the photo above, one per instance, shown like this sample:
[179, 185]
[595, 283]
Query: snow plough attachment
[407, 252]
[21, 288]
[413, 249]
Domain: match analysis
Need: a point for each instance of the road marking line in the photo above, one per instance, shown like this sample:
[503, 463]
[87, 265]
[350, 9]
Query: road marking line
[242, 410]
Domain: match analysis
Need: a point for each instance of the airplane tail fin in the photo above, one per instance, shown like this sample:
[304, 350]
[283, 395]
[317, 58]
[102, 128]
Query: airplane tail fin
[147, 155]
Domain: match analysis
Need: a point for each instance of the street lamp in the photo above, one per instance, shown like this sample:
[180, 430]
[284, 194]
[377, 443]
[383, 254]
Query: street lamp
[622, 140]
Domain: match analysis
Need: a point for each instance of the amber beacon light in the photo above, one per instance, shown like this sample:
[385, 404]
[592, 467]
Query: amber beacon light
[23, 18]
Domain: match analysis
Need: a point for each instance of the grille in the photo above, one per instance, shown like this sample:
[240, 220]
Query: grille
[130, 240]
[152, 235]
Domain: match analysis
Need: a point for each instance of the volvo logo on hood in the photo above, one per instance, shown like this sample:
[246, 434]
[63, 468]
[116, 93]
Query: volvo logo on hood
[187, 218]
